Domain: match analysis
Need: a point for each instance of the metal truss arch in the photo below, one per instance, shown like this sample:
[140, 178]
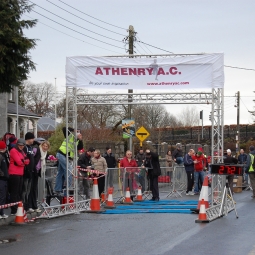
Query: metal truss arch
[75, 97]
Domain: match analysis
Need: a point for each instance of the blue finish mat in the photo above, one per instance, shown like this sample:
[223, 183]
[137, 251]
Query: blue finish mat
[162, 206]
[133, 211]
[155, 206]
[167, 202]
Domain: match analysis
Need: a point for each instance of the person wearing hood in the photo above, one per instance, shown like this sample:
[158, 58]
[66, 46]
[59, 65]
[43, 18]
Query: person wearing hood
[84, 162]
[249, 168]
[18, 160]
[3, 178]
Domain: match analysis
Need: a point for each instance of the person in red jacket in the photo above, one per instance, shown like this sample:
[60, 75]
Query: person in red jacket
[199, 165]
[131, 167]
[18, 160]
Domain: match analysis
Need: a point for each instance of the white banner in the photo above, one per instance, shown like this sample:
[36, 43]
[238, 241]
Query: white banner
[175, 72]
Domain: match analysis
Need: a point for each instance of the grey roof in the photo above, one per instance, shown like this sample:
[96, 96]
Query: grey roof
[12, 109]
[46, 124]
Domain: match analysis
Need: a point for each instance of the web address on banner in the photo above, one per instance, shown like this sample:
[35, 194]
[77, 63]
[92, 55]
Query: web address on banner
[167, 83]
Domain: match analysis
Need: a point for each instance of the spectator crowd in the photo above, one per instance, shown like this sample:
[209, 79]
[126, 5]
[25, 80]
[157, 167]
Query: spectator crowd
[23, 161]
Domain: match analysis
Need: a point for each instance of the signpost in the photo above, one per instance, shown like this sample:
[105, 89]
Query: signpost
[142, 134]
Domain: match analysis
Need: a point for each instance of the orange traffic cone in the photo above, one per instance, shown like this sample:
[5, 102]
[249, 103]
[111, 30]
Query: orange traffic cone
[139, 196]
[19, 219]
[202, 218]
[109, 202]
[203, 196]
[95, 200]
[127, 197]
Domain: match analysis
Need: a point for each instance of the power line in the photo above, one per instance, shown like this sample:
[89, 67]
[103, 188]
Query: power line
[75, 24]
[145, 45]
[72, 36]
[155, 47]
[92, 16]
[77, 31]
[248, 69]
[142, 48]
[244, 104]
[84, 19]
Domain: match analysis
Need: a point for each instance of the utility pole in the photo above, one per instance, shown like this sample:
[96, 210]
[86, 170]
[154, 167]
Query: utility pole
[238, 122]
[202, 118]
[55, 104]
[130, 52]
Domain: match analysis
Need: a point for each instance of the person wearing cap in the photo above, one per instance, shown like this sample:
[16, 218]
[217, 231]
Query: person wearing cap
[18, 160]
[30, 175]
[152, 164]
[249, 168]
[178, 155]
[111, 163]
[84, 162]
[62, 154]
[229, 159]
[3, 178]
[199, 166]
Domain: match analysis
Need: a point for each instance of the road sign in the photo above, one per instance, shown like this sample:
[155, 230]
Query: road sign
[142, 133]
[128, 128]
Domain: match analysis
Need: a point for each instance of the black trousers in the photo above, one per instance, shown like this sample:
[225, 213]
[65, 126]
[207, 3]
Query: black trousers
[190, 180]
[154, 186]
[101, 184]
[230, 179]
[3, 191]
[33, 194]
[15, 190]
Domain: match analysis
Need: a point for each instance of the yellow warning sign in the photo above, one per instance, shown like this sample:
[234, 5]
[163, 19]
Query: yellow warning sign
[142, 133]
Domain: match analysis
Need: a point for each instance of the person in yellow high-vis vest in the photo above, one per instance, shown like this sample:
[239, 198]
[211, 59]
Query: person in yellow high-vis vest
[249, 168]
[61, 156]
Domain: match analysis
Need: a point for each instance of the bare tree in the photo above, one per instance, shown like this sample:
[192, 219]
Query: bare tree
[190, 116]
[38, 98]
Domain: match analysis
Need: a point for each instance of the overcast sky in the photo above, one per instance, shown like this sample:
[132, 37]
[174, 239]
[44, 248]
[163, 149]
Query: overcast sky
[178, 26]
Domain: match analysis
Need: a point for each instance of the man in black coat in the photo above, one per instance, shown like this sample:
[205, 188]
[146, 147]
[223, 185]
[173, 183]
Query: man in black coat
[30, 175]
[84, 162]
[111, 163]
[152, 164]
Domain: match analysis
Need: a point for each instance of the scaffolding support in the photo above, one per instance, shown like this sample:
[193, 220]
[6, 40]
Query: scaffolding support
[75, 97]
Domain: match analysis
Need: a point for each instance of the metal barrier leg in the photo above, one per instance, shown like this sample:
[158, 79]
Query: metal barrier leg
[174, 192]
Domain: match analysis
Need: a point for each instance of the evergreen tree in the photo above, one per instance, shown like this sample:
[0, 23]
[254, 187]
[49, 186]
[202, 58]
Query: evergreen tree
[15, 61]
